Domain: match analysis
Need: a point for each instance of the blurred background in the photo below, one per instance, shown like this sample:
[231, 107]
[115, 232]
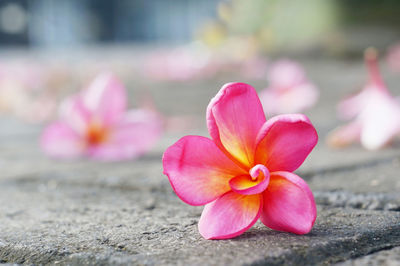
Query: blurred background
[49, 49]
[330, 26]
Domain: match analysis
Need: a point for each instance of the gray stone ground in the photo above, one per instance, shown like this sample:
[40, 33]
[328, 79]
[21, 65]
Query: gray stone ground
[83, 212]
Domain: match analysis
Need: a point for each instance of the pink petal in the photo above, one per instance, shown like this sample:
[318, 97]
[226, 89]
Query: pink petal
[351, 106]
[285, 141]
[230, 215]
[73, 112]
[270, 100]
[355, 104]
[251, 184]
[375, 77]
[198, 171]
[288, 204]
[380, 121]
[234, 117]
[296, 99]
[285, 74]
[135, 134]
[61, 141]
[344, 135]
[105, 98]
[300, 98]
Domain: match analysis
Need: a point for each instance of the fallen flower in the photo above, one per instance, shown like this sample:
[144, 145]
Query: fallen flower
[95, 123]
[289, 89]
[375, 111]
[245, 171]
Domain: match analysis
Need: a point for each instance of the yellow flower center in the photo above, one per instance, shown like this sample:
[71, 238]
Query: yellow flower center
[96, 134]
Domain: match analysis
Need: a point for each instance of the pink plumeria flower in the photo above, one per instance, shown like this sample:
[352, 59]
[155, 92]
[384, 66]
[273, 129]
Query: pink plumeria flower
[289, 89]
[244, 172]
[375, 112]
[96, 124]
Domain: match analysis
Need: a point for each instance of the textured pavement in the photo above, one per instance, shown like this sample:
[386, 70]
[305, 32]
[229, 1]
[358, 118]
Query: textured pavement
[83, 212]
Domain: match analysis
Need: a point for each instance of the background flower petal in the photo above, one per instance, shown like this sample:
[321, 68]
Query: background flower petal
[292, 100]
[288, 204]
[380, 121]
[270, 100]
[230, 215]
[198, 170]
[285, 141]
[105, 98]
[135, 134]
[352, 105]
[74, 112]
[234, 117]
[286, 73]
[344, 135]
[61, 141]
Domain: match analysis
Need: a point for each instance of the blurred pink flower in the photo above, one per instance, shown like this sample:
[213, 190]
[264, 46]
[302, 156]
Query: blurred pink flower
[375, 112]
[23, 90]
[180, 64]
[245, 171]
[289, 90]
[95, 123]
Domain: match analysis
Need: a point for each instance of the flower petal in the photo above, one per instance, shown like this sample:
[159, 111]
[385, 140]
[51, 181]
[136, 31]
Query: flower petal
[73, 112]
[285, 141]
[270, 100]
[234, 117]
[344, 135]
[230, 215]
[296, 99]
[135, 134]
[105, 98]
[61, 141]
[251, 184]
[199, 172]
[380, 121]
[288, 204]
[285, 74]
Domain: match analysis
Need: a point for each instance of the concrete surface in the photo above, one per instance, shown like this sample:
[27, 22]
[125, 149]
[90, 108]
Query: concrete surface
[83, 212]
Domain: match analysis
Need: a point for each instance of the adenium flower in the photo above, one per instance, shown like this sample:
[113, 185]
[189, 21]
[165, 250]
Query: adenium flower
[375, 112]
[289, 89]
[244, 172]
[96, 124]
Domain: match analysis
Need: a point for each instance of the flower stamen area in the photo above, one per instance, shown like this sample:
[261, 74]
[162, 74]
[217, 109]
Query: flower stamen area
[255, 182]
[96, 133]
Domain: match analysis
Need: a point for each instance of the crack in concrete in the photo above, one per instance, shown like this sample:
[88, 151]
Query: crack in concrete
[336, 251]
[363, 201]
